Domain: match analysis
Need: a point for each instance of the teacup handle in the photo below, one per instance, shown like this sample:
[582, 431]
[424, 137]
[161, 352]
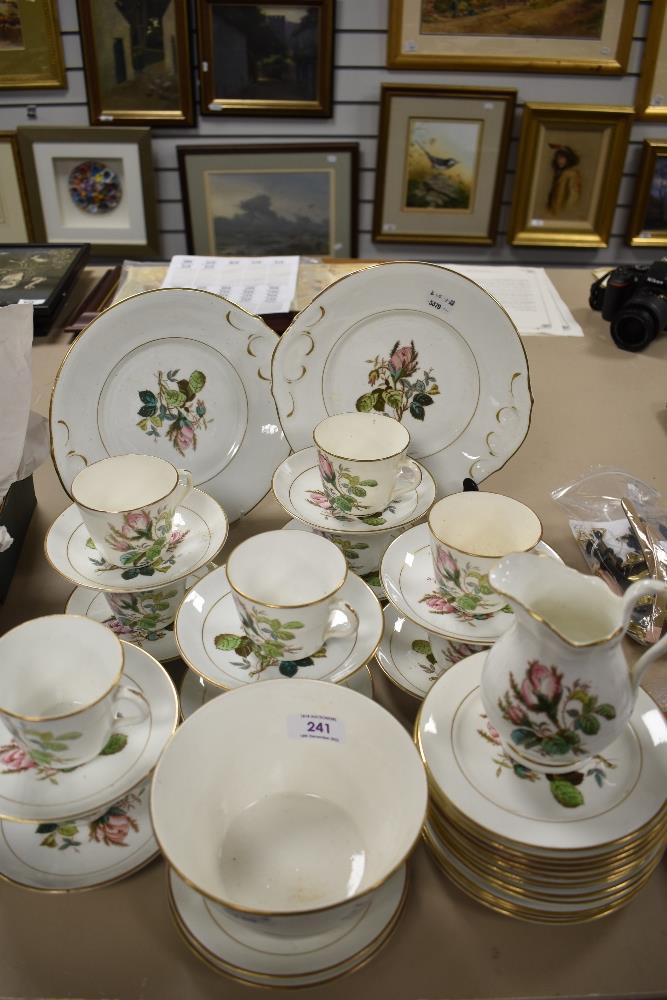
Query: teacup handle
[409, 477]
[136, 701]
[183, 488]
[340, 630]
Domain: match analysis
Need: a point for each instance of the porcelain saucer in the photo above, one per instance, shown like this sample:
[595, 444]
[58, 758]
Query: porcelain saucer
[32, 793]
[350, 549]
[195, 692]
[243, 951]
[407, 576]
[412, 658]
[297, 487]
[207, 624]
[92, 604]
[73, 855]
[71, 552]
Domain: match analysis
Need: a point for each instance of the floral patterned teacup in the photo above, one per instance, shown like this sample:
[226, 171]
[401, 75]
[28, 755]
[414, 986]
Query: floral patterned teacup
[470, 533]
[128, 503]
[285, 586]
[145, 615]
[61, 691]
[363, 462]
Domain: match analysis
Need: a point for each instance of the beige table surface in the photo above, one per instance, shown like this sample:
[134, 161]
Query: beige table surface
[593, 404]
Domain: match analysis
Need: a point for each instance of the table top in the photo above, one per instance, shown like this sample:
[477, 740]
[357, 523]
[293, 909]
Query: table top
[594, 405]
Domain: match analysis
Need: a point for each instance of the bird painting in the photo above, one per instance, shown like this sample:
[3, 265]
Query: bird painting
[438, 161]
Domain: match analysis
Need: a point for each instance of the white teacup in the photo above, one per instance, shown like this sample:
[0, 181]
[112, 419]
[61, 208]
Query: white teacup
[145, 614]
[470, 533]
[128, 503]
[363, 462]
[285, 587]
[60, 690]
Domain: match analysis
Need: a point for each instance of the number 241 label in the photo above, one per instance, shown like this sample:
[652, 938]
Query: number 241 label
[315, 727]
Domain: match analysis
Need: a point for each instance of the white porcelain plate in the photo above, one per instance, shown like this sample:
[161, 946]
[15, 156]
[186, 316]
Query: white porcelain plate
[620, 792]
[34, 793]
[179, 373]
[208, 613]
[426, 345]
[74, 854]
[407, 576]
[242, 949]
[71, 552]
[298, 489]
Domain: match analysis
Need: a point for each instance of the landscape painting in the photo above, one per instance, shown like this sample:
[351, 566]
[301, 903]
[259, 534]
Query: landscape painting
[441, 164]
[11, 31]
[655, 218]
[269, 212]
[510, 18]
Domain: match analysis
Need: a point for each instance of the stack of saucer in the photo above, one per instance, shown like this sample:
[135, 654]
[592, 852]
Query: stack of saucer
[552, 849]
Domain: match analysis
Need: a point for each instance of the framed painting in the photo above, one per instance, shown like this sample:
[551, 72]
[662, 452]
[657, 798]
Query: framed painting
[247, 201]
[91, 185]
[42, 275]
[31, 53]
[136, 55]
[570, 164]
[652, 86]
[271, 58]
[14, 215]
[547, 36]
[441, 162]
[648, 220]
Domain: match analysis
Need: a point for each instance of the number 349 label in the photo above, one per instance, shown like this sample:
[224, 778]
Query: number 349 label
[315, 727]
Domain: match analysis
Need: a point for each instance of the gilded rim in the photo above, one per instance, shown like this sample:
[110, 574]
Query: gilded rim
[126, 510]
[84, 708]
[82, 888]
[478, 555]
[366, 461]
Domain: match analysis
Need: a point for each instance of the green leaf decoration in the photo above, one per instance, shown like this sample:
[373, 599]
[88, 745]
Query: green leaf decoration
[156, 421]
[588, 724]
[288, 668]
[566, 794]
[485, 589]
[581, 696]
[40, 757]
[357, 491]
[90, 544]
[185, 387]
[368, 482]
[343, 504]
[467, 602]
[282, 633]
[366, 402]
[422, 647]
[197, 381]
[115, 743]
[423, 399]
[53, 746]
[293, 625]
[148, 397]
[555, 746]
[606, 711]
[245, 647]
[322, 651]
[174, 398]
[417, 410]
[68, 830]
[49, 841]
[373, 520]
[272, 649]
[46, 828]
[227, 641]
[143, 425]
[394, 398]
[147, 411]
[372, 579]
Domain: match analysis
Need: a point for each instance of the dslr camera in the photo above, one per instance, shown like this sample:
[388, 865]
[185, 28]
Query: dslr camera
[633, 298]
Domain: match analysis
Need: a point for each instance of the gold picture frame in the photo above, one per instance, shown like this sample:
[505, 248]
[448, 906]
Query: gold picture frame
[138, 68]
[249, 66]
[15, 224]
[441, 162]
[648, 220]
[569, 168]
[31, 54]
[652, 86]
[470, 40]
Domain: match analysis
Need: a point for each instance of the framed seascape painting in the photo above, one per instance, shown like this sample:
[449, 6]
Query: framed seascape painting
[136, 55]
[247, 201]
[31, 53]
[652, 86]
[441, 162]
[14, 215]
[549, 36]
[648, 220]
[91, 185]
[266, 58]
[570, 165]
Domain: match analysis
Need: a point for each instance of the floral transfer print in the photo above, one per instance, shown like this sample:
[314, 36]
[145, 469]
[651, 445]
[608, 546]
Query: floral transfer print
[452, 651]
[176, 404]
[422, 647]
[565, 788]
[551, 718]
[391, 387]
[146, 545]
[13, 758]
[464, 593]
[267, 641]
[343, 489]
[349, 548]
[141, 617]
[111, 829]
[46, 748]
[320, 499]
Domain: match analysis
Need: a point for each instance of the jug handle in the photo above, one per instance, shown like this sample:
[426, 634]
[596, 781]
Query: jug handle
[634, 592]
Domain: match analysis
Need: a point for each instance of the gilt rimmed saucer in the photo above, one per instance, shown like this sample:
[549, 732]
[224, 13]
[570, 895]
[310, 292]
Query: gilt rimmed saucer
[407, 576]
[412, 658]
[351, 550]
[469, 771]
[161, 643]
[77, 854]
[243, 950]
[297, 486]
[35, 793]
[195, 692]
[200, 522]
[207, 624]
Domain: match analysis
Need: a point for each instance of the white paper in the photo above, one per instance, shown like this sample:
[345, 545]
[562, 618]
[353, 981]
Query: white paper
[259, 284]
[15, 388]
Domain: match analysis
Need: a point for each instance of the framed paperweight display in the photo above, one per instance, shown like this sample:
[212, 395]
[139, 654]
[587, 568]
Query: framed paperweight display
[441, 161]
[271, 58]
[648, 220]
[91, 185]
[31, 53]
[247, 201]
[14, 215]
[137, 61]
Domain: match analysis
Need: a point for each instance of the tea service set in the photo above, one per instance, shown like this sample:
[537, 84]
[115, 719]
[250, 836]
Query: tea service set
[537, 771]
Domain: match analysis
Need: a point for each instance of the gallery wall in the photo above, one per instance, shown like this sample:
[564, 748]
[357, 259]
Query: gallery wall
[360, 54]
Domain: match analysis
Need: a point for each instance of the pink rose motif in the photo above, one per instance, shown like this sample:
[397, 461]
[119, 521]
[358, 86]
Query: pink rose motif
[326, 468]
[404, 361]
[14, 758]
[516, 714]
[439, 604]
[542, 686]
[185, 437]
[111, 829]
[117, 627]
[444, 562]
[118, 544]
[319, 499]
[493, 733]
[176, 537]
[139, 520]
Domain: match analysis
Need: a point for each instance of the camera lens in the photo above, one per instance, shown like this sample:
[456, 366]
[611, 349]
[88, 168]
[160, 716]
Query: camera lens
[637, 324]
